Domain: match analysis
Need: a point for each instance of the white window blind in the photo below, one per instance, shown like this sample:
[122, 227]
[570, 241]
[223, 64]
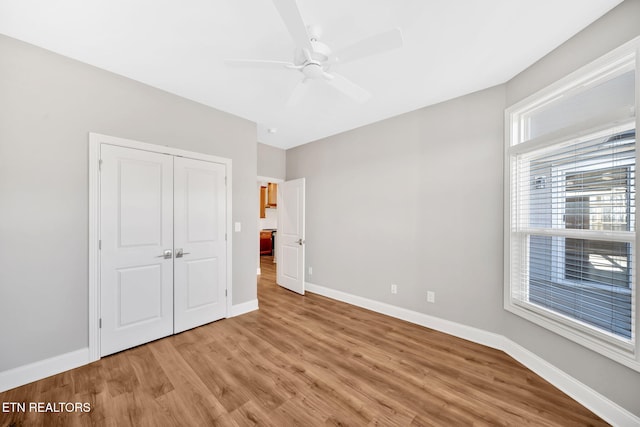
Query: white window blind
[571, 231]
[575, 220]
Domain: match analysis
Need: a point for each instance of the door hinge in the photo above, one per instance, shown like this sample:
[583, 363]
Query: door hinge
[225, 237]
[100, 165]
[100, 323]
[225, 292]
[225, 180]
[99, 245]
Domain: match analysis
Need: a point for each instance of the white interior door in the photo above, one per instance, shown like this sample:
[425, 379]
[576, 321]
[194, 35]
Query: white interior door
[200, 245]
[136, 232]
[290, 238]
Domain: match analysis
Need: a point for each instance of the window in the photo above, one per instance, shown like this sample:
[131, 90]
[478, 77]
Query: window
[587, 279]
[570, 234]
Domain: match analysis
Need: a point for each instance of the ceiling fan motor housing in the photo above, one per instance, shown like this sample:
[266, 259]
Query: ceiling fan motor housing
[313, 70]
[321, 53]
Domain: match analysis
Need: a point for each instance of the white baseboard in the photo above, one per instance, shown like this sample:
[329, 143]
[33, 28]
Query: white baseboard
[245, 307]
[452, 328]
[608, 410]
[42, 369]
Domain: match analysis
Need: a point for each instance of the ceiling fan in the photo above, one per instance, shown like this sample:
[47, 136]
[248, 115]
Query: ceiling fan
[314, 59]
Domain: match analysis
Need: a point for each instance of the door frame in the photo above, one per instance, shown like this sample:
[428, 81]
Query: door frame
[95, 140]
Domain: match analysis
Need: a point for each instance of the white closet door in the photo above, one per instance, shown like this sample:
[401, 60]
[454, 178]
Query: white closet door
[199, 231]
[136, 231]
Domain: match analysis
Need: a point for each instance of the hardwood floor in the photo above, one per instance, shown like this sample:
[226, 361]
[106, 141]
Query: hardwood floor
[302, 361]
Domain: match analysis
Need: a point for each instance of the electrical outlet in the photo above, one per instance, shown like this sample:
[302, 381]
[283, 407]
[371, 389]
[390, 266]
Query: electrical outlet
[394, 288]
[310, 271]
[431, 296]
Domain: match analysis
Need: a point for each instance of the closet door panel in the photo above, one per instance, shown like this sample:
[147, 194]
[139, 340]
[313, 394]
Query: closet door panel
[136, 231]
[200, 245]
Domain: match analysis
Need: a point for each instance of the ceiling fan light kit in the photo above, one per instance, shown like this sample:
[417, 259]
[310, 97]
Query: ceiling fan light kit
[314, 59]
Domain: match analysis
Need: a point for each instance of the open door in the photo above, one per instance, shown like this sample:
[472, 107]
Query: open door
[290, 240]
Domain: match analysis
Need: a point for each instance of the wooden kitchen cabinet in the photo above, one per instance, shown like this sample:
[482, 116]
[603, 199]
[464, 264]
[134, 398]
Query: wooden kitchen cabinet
[272, 195]
[263, 201]
[266, 244]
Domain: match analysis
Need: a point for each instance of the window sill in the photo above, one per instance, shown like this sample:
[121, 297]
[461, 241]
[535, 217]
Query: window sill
[618, 350]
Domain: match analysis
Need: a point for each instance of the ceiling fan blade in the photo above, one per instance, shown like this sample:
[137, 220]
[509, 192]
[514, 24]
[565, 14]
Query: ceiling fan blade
[261, 63]
[298, 93]
[378, 43]
[349, 88]
[290, 14]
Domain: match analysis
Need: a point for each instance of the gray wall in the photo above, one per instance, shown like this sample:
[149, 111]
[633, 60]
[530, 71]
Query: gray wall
[416, 200]
[271, 161]
[48, 106]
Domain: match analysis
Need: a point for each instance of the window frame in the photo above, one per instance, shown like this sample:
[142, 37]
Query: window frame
[516, 142]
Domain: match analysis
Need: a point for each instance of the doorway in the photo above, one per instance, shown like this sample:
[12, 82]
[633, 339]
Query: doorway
[288, 232]
[267, 219]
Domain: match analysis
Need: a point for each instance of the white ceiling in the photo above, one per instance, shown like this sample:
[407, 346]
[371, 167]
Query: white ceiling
[451, 47]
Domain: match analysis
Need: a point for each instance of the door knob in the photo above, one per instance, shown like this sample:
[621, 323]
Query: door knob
[300, 242]
[167, 254]
[179, 253]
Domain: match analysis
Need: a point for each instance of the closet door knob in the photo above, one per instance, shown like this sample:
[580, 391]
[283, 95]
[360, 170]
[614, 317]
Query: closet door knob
[167, 254]
[179, 253]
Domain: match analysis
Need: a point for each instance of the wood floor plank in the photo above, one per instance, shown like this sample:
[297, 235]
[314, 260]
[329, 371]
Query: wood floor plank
[220, 382]
[303, 360]
[201, 403]
[148, 371]
[251, 414]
